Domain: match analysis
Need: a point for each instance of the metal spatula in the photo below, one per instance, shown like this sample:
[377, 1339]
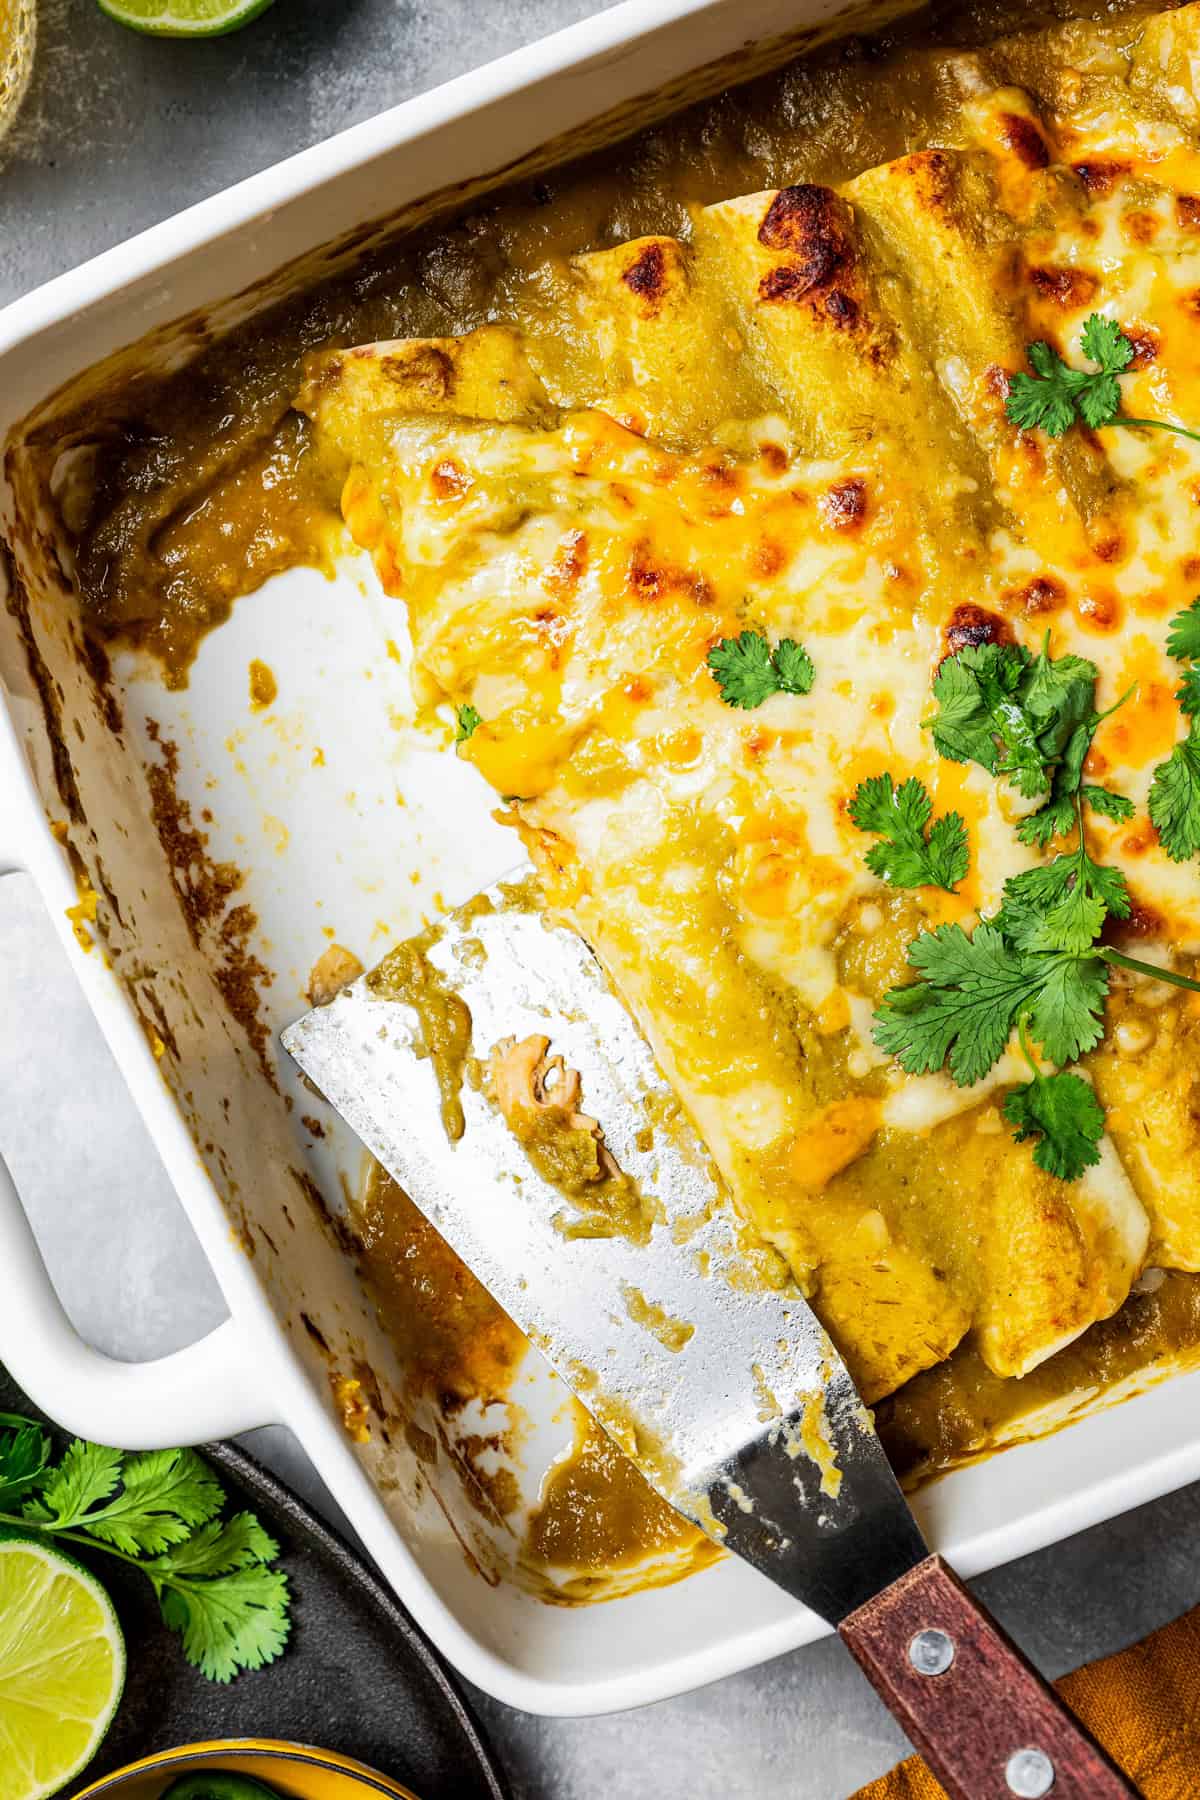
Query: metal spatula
[727, 1392]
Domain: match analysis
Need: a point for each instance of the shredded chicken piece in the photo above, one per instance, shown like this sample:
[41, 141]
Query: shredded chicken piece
[333, 970]
[533, 1089]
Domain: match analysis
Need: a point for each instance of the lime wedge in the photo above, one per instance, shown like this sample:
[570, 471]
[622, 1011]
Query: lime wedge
[62, 1668]
[184, 18]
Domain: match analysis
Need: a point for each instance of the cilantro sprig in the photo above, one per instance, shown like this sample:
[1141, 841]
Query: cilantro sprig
[1031, 720]
[467, 722]
[1038, 958]
[1062, 1113]
[748, 671]
[1038, 966]
[1183, 643]
[910, 855]
[159, 1511]
[1062, 904]
[1056, 396]
[974, 989]
[1175, 790]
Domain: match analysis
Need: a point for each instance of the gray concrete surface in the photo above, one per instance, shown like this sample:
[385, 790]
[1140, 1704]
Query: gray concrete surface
[117, 133]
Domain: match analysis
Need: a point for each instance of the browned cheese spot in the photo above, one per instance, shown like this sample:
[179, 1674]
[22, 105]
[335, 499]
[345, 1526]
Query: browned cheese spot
[931, 174]
[1044, 594]
[812, 227]
[997, 381]
[1140, 227]
[1187, 212]
[1099, 176]
[970, 626]
[569, 566]
[840, 308]
[423, 367]
[1145, 343]
[1068, 288]
[1144, 921]
[646, 276]
[1099, 609]
[651, 581]
[449, 479]
[767, 558]
[844, 505]
[1020, 135]
[1109, 546]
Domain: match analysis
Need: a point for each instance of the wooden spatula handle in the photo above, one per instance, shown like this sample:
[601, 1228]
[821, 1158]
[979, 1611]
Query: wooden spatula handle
[982, 1717]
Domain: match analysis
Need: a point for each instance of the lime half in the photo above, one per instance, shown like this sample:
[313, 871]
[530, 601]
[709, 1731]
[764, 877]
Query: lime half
[184, 18]
[62, 1668]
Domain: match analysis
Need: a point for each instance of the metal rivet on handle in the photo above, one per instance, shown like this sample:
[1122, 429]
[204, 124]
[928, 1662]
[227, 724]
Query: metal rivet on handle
[931, 1653]
[1029, 1774]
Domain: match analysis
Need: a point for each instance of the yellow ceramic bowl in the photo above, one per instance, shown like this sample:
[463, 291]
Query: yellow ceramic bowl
[295, 1771]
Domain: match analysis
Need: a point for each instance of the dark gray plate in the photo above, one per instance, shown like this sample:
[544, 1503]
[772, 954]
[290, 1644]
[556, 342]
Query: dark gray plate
[357, 1676]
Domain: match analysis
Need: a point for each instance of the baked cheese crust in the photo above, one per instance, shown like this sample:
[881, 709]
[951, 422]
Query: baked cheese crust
[794, 423]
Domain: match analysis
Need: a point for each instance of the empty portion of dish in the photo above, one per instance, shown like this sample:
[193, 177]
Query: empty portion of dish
[571, 553]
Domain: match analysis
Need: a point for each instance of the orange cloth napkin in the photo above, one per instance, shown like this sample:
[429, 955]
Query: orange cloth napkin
[1143, 1705]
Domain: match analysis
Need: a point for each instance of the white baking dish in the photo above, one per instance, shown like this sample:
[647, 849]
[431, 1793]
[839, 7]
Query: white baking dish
[331, 846]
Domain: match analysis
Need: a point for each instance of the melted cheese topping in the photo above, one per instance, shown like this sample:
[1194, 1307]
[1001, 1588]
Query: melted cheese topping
[570, 550]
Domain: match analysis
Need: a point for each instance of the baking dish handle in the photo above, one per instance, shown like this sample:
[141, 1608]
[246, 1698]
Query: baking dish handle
[212, 1389]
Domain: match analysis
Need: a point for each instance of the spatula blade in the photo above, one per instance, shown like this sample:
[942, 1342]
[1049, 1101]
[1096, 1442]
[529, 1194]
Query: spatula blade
[726, 1390]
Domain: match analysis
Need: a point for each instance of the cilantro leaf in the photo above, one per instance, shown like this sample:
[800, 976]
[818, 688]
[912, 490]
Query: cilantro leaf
[1063, 1113]
[1183, 641]
[742, 669]
[908, 857]
[1029, 718]
[468, 720]
[1099, 402]
[793, 666]
[1056, 696]
[975, 989]
[1175, 790]
[1106, 344]
[157, 1511]
[165, 1495]
[1024, 717]
[1062, 905]
[1175, 799]
[963, 1010]
[1060, 813]
[1052, 820]
[1046, 399]
[87, 1474]
[1188, 692]
[1070, 923]
[217, 1547]
[1067, 1013]
[1055, 396]
[981, 717]
[24, 1453]
[1104, 800]
[747, 671]
[234, 1621]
